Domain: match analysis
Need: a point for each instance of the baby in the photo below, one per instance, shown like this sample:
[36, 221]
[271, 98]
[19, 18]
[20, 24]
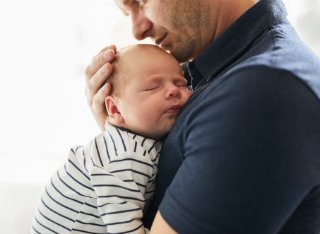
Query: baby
[105, 186]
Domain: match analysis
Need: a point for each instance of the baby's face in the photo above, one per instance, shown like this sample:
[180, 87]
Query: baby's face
[153, 98]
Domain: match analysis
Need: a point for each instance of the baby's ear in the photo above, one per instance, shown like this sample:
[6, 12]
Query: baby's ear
[114, 114]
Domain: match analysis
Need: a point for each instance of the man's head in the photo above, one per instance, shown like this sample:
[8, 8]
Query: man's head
[148, 90]
[183, 27]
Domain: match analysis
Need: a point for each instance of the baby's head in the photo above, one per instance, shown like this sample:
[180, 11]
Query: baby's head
[148, 90]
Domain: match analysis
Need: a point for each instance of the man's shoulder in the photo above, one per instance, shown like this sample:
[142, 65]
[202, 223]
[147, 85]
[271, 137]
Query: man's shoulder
[245, 94]
[262, 79]
[278, 51]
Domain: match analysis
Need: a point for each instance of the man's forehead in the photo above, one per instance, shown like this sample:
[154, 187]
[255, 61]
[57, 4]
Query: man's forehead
[122, 2]
[122, 5]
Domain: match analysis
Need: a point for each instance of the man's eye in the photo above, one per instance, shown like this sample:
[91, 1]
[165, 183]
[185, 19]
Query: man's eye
[141, 2]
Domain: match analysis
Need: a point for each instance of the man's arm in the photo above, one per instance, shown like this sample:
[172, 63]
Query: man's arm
[160, 226]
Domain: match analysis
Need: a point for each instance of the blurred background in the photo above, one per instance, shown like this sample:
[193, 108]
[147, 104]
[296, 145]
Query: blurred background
[45, 46]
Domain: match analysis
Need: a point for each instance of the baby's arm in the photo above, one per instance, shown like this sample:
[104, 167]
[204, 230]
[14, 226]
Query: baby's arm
[120, 196]
[120, 180]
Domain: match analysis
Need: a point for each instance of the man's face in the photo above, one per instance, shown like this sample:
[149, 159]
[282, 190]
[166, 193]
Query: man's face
[178, 26]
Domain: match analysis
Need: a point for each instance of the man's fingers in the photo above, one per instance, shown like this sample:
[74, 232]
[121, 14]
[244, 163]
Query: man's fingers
[97, 81]
[96, 89]
[110, 47]
[106, 55]
[105, 49]
[99, 98]
[98, 105]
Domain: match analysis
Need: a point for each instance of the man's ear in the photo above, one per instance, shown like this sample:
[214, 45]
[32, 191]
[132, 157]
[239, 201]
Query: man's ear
[114, 114]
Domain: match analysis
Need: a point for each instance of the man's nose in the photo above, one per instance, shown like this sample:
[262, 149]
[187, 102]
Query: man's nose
[141, 26]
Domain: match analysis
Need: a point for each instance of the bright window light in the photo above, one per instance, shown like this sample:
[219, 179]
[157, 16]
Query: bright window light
[45, 46]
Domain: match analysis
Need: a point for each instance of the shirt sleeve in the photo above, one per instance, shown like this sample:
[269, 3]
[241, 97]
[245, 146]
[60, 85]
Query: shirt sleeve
[120, 201]
[249, 155]
[119, 182]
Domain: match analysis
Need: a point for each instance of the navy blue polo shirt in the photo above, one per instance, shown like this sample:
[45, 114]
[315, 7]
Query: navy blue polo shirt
[244, 154]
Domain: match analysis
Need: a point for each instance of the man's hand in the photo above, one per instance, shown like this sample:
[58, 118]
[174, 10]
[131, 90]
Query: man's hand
[96, 91]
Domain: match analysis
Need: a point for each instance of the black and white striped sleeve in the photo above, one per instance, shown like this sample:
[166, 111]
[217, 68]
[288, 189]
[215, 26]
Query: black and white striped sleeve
[120, 179]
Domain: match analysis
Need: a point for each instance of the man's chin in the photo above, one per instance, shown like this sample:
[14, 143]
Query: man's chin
[181, 55]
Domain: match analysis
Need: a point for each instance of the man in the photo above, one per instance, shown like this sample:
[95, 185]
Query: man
[244, 155]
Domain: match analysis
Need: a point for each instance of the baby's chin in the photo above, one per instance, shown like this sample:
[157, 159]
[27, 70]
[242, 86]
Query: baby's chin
[164, 132]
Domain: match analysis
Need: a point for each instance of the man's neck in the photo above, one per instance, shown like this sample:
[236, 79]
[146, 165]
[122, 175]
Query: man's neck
[226, 12]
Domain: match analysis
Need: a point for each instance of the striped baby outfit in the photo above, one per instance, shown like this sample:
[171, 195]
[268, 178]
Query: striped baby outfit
[104, 187]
